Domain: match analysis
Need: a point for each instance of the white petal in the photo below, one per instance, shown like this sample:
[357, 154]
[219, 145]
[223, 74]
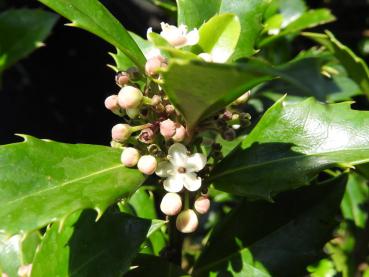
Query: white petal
[196, 162]
[165, 169]
[149, 30]
[193, 37]
[177, 155]
[182, 29]
[154, 52]
[206, 57]
[191, 181]
[220, 55]
[173, 183]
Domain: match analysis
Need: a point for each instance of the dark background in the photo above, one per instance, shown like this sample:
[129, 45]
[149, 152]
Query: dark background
[58, 92]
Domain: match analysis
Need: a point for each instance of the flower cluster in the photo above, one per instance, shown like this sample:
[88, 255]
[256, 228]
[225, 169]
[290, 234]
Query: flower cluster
[153, 134]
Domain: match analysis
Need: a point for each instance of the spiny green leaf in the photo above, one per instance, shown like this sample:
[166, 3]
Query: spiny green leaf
[355, 66]
[298, 225]
[291, 144]
[219, 36]
[93, 17]
[195, 13]
[83, 247]
[43, 181]
[21, 31]
[199, 89]
[17, 251]
[355, 199]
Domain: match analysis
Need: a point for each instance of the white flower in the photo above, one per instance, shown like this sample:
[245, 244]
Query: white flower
[180, 170]
[178, 36]
[217, 56]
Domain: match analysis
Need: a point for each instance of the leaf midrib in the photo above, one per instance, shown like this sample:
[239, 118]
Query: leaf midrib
[242, 168]
[62, 185]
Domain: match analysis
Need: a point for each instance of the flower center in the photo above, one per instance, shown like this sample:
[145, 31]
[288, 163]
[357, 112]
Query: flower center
[181, 170]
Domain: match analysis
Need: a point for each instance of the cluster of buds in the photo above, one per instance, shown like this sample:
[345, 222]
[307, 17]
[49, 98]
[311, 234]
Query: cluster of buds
[153, 134]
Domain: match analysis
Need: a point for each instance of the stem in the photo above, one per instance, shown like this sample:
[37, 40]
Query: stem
[187, 200]
[140, 127]
[175, 243]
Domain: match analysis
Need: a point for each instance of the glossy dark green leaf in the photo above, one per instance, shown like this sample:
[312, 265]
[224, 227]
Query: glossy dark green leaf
[355, 66]
[303, 77]
[148, 265]
[250, 14]
[195, 13]
[199, 89]
[142, 202]
[274, 239]
[83, 247]
[355, 201]
[17, 251]
[219, 36]
[22, 31]
[93, 17]
[309, 19]
[43, 181]
[291, 144]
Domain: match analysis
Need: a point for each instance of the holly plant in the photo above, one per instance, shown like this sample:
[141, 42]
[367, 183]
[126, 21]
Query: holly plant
[235, 153]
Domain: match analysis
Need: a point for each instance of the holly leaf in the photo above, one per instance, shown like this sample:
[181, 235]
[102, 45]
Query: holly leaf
[22, 31]
[290, 145]
[93, 17]
[355, 200]
[45, 181]
[17, 251]
[299, 224]
[195, 13]
[83, 247]
[200, 89]
[355, 66]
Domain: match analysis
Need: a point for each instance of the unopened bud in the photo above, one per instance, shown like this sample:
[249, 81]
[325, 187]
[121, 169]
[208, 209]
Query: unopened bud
[129, 97]
[169, 109]
[147, 164]
[154, 64]
[130, 156]
[171, 204]
[132, 113]
[187, 221]
[180, 133]
[111, 103]
[243, 98]
[202, 204]
[122, 78]
[25, 270]
[229, 134]
[121, 132]
[146, 136]
[155, 100]
[167, 128]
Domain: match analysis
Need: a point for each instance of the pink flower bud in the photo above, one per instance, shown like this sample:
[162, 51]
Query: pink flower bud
[169, 109]
[167, 128]
[111, 102]
[202, 205]
[122, 78]
[152, 65]
[146, 136]
[171, 204]
[180, 133]
[129, 97]
[147, 164]
[121, 132]
[187, 221]
[130, 157]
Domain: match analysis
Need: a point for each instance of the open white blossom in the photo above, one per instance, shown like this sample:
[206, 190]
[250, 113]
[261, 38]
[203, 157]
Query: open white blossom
[178, 36]
[216, 56]
[180, 169]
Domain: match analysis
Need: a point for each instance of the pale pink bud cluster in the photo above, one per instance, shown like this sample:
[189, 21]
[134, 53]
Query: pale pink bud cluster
[153, 65]
[121, 132]
[147, 164]
[172, 130]
[171, 204]
[131, 157]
